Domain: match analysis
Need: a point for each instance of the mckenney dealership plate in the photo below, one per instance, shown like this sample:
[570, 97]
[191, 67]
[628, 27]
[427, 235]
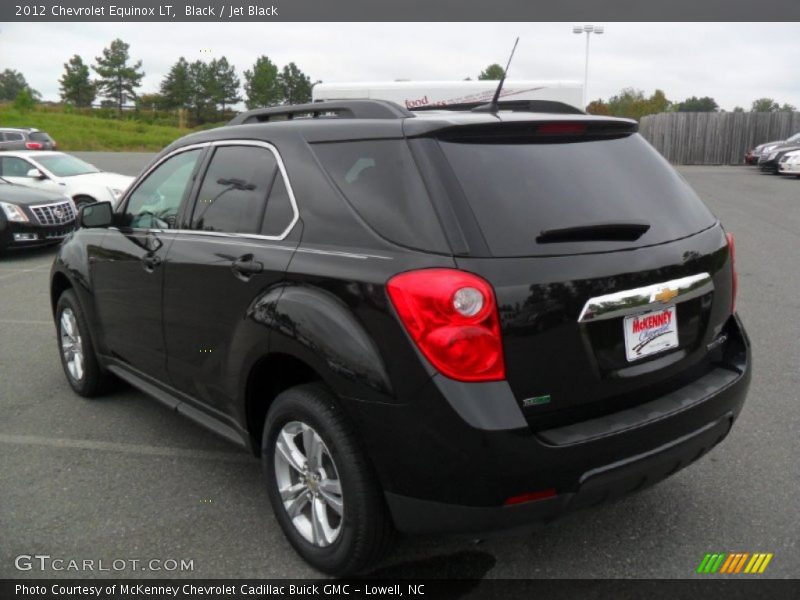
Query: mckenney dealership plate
[650, 333]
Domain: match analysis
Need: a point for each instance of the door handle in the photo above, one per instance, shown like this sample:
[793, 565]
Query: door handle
[151, 261]
[246, 266]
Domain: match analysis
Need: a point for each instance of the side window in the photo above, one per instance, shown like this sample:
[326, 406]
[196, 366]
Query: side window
[14, 137]
[155, 202]
[11, 166]
[380, 180]
[233, 197]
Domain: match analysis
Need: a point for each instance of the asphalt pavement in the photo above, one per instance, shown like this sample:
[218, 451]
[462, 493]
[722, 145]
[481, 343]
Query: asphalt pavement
[123, 478]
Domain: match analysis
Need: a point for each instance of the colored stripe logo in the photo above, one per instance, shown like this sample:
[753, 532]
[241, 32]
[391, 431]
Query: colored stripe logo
[734, 562]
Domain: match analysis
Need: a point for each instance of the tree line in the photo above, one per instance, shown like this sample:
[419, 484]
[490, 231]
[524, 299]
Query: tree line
[634, 104]
[205, 90]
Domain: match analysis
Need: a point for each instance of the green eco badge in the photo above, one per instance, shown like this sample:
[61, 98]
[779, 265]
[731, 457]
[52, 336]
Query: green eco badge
[536, 401]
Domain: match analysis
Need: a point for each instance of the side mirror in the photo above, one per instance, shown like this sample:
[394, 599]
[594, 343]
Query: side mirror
[35, 174]
[98, 214]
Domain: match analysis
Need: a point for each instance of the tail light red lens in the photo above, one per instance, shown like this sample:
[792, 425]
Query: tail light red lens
[33, 145]
[452, 317]
[734, 274]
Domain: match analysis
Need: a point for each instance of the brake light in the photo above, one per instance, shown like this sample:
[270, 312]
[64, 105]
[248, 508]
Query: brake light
[561, 128]
[33, 145]
[531, 496]
[452, 317]
[734, 274]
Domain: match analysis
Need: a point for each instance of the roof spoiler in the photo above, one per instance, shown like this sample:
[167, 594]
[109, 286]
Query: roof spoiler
[541, 131]
[537, 106]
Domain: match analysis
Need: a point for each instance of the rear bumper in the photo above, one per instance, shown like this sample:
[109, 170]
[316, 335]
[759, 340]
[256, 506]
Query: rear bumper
[596, 486]
[586, 463]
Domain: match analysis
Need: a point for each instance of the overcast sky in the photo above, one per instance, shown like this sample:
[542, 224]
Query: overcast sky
[732, 62]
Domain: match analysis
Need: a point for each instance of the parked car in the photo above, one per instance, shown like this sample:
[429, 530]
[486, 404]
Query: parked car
[753, 156]
[790, 164]
[63, 173]
[31, 217]
[771, 158]
[420, 321]
[12, 138]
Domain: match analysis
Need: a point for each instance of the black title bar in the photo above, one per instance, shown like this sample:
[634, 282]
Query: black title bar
[407, 10]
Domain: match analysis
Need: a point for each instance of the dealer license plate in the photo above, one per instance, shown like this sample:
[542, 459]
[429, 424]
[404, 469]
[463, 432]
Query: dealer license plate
[650, 333]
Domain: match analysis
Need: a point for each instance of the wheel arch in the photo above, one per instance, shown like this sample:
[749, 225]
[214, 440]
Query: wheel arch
[268, 377]
[58, 285]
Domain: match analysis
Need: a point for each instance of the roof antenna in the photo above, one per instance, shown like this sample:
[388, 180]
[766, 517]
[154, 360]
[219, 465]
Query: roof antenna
[494, 106]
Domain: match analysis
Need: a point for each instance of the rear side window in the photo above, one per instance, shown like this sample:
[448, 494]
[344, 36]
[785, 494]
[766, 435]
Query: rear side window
[13, 137]
[243, 191]
[381, 182]
[518, 190]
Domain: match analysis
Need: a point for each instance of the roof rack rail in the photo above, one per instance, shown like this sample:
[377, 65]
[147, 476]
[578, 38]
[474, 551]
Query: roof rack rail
[539, 106]
[347, 109]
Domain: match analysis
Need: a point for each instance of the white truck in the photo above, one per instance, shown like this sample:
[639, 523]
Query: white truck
[421, 94]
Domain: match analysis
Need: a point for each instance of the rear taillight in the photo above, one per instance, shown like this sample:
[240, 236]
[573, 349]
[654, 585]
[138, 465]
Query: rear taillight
[33, 145]
[734, 275]
[452, 317]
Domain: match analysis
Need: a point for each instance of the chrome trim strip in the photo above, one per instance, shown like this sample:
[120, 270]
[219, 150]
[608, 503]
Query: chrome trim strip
[59, 203]
[267, 145]
[641, 299]
[240, 239]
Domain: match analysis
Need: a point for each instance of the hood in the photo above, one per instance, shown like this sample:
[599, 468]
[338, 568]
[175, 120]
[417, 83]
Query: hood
[18, 194]
[112, 180]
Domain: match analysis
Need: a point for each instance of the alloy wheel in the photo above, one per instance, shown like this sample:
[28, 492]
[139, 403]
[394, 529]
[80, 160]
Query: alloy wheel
[308, 483]
[72, 345]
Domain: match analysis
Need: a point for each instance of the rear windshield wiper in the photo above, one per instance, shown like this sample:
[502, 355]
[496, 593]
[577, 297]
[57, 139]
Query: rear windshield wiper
[623, 231]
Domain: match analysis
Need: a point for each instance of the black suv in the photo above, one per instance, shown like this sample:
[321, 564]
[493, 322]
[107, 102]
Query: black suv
[448, 321]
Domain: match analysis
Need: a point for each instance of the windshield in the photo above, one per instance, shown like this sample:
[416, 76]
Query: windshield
[794, 138]
[518, 191]
[64, 165]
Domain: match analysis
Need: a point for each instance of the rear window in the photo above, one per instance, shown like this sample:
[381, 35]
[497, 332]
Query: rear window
[381, 182]
[39, 136]
[518, 190]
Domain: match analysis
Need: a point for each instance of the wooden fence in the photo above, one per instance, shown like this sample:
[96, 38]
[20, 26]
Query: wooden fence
[715, 138]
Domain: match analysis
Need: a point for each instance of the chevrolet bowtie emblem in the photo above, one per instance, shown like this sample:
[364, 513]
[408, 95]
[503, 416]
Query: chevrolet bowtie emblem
[665, 295]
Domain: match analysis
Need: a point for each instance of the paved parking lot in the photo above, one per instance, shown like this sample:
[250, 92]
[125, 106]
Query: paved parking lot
[123, 478]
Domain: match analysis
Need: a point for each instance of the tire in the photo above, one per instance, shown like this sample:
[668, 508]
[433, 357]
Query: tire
[83, 201]
[363, 534]
[88, 379]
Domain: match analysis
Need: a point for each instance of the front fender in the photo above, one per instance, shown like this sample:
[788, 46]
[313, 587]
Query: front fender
[72, 262]
[318, 328]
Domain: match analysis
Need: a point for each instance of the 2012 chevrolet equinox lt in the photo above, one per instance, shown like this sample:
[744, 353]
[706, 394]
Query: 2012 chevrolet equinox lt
[439, 321]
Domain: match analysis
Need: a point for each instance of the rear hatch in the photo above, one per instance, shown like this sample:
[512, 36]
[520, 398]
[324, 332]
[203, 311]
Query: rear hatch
[586, 232]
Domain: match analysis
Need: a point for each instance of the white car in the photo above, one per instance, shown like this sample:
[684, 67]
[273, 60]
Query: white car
[790, 164]
[63, 173]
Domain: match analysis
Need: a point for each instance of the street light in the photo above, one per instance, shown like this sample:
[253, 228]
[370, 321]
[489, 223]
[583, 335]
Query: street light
[588, 30]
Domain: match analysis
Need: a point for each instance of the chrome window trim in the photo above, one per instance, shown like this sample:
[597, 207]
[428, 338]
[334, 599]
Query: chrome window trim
[610, 306]
[235, 142]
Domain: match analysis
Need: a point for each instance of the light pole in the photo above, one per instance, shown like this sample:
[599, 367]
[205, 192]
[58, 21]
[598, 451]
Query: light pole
[588, 30]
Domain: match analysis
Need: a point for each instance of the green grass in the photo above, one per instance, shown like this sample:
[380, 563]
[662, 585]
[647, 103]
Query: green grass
[88, 132]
